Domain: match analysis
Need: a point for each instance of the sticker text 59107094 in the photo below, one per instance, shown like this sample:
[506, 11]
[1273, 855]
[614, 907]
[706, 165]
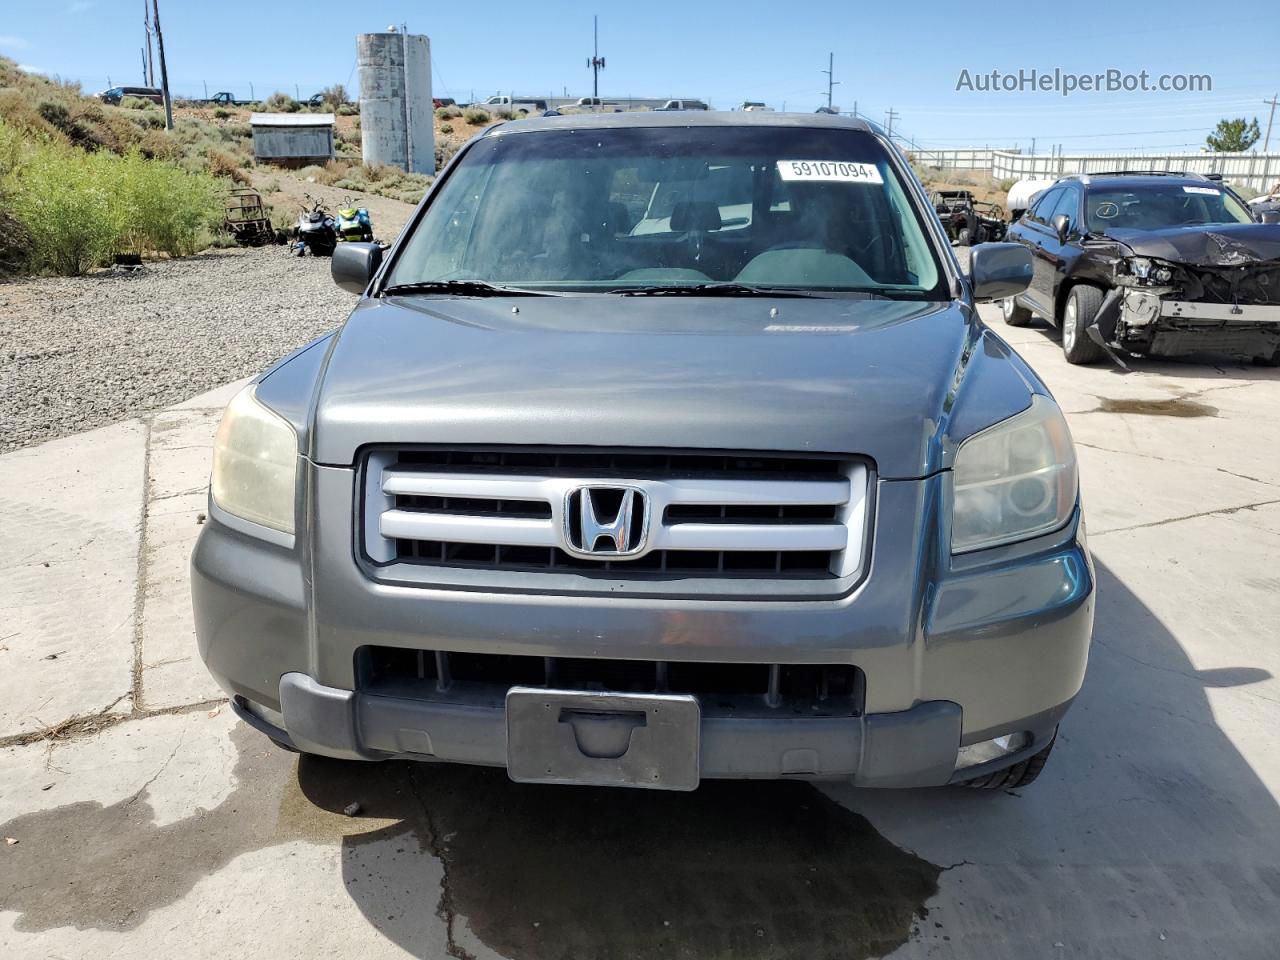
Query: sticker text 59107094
[839, 171]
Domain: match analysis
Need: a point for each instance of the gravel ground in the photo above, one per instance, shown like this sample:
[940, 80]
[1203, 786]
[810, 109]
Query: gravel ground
[82, 352]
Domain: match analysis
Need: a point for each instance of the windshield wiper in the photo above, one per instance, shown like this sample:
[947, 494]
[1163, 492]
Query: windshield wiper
[711, 290]
[462, 288]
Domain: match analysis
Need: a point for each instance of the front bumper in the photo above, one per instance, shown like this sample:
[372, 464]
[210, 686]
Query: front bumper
[1150, 322]
[954, 650]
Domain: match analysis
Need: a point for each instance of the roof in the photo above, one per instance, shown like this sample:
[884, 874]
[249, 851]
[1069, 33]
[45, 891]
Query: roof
[291, 119]
[1113, 179]
[679, 118]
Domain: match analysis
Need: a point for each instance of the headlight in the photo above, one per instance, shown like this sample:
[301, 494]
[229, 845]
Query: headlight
[1147, 271]
[1014, 480]
[255, 458]
[1140, 267]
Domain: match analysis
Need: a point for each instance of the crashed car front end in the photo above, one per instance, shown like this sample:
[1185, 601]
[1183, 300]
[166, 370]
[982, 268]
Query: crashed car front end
[1223, 298]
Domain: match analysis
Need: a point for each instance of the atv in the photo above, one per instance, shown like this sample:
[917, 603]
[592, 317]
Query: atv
[352, 223]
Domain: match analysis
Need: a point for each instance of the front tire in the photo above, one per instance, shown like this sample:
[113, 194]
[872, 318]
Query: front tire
[1021, 774]
[1015, 314]
[962, 236]
[1081, 307]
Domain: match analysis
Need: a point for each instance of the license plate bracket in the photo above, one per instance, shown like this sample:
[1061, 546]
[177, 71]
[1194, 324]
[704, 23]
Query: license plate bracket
[650, 741]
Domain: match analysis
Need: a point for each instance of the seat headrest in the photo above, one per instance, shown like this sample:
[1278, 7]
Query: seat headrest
[695, 215]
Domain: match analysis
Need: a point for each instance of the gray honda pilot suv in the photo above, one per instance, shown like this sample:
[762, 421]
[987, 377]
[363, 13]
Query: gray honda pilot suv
[658, 447]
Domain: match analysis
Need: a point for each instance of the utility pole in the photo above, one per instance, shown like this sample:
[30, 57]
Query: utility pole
[831, 78]
[1273, 102]
[891, 115]
[596, 63]
[1033, 146]
[164, 71]
[149, 64]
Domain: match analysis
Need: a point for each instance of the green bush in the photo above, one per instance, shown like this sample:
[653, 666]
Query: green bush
[505, 115]
[475, 116]
[136, 103]
[446, 128]
[281, 103]
[347, 109]
[221, 113]
[80, 208]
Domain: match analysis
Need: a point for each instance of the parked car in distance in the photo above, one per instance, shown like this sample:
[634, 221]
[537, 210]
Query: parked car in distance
[225, 98]
[683, 105]
[517, 105]
[749, 493]
[438, 102]
[591, 105]
[755, 106]
[1150, 263]
[116, 94]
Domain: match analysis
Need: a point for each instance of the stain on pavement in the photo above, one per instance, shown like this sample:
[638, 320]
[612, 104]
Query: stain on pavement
[739, 870]
[746, 870]
[1173, 407]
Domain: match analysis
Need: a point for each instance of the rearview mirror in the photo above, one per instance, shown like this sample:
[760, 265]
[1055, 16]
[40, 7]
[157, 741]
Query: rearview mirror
[999, 270]
[354, 265]
[1269, 216]
[1062, 226]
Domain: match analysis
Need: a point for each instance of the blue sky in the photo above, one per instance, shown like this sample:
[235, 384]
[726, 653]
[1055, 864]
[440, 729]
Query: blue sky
[887, 55]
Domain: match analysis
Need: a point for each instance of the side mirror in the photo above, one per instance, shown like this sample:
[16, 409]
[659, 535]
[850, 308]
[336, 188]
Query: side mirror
[354, 265]
[999, 270]
[1269, 216]
[1062, 226]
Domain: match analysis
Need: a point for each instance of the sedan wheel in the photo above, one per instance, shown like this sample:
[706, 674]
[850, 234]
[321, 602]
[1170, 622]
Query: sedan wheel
[1078, 312]
[1015, 315]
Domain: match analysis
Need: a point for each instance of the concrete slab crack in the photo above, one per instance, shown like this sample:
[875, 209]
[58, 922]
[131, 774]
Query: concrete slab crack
[155, 776]
[1220, 512]
[445, 908]
[140, 587]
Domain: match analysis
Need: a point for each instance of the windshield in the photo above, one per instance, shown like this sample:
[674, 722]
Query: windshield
[605, 210]
[1158, 206]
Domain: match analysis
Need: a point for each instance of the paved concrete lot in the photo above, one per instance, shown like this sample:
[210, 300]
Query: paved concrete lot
[155, 824]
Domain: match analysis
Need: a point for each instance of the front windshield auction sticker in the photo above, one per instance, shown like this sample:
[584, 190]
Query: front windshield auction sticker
[1207, 191]
[837, 171]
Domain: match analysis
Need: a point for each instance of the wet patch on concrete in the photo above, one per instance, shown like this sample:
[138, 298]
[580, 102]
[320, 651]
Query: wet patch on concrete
[741, 870]
[1173, 407]
[749, 870]
[86, 865]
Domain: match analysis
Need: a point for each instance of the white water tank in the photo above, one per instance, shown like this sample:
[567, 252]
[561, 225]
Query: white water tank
[1024, 191]
[396, 125]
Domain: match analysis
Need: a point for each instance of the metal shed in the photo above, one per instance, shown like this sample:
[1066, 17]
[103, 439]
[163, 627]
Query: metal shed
[292, 138]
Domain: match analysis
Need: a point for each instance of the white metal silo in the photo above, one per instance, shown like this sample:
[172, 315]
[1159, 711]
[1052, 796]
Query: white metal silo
[396, 126]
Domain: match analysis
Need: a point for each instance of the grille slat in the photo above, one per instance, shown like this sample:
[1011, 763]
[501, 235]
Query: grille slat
[710, 515]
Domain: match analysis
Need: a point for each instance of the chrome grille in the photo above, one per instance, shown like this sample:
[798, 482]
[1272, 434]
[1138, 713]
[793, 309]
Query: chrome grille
[710, 516]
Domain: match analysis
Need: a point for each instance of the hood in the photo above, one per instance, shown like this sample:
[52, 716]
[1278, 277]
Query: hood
[1215, 245]
[873, 377]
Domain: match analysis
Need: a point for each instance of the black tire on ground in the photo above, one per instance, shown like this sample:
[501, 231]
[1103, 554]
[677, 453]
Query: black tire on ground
[1083, 303]
[1015, 314]
[962, 236]
[1020, 774]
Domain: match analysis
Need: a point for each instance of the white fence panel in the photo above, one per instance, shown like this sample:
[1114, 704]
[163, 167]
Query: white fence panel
[1256, 171]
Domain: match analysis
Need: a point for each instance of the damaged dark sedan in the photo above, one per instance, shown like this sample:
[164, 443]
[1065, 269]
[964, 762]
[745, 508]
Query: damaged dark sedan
[1159, 264]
